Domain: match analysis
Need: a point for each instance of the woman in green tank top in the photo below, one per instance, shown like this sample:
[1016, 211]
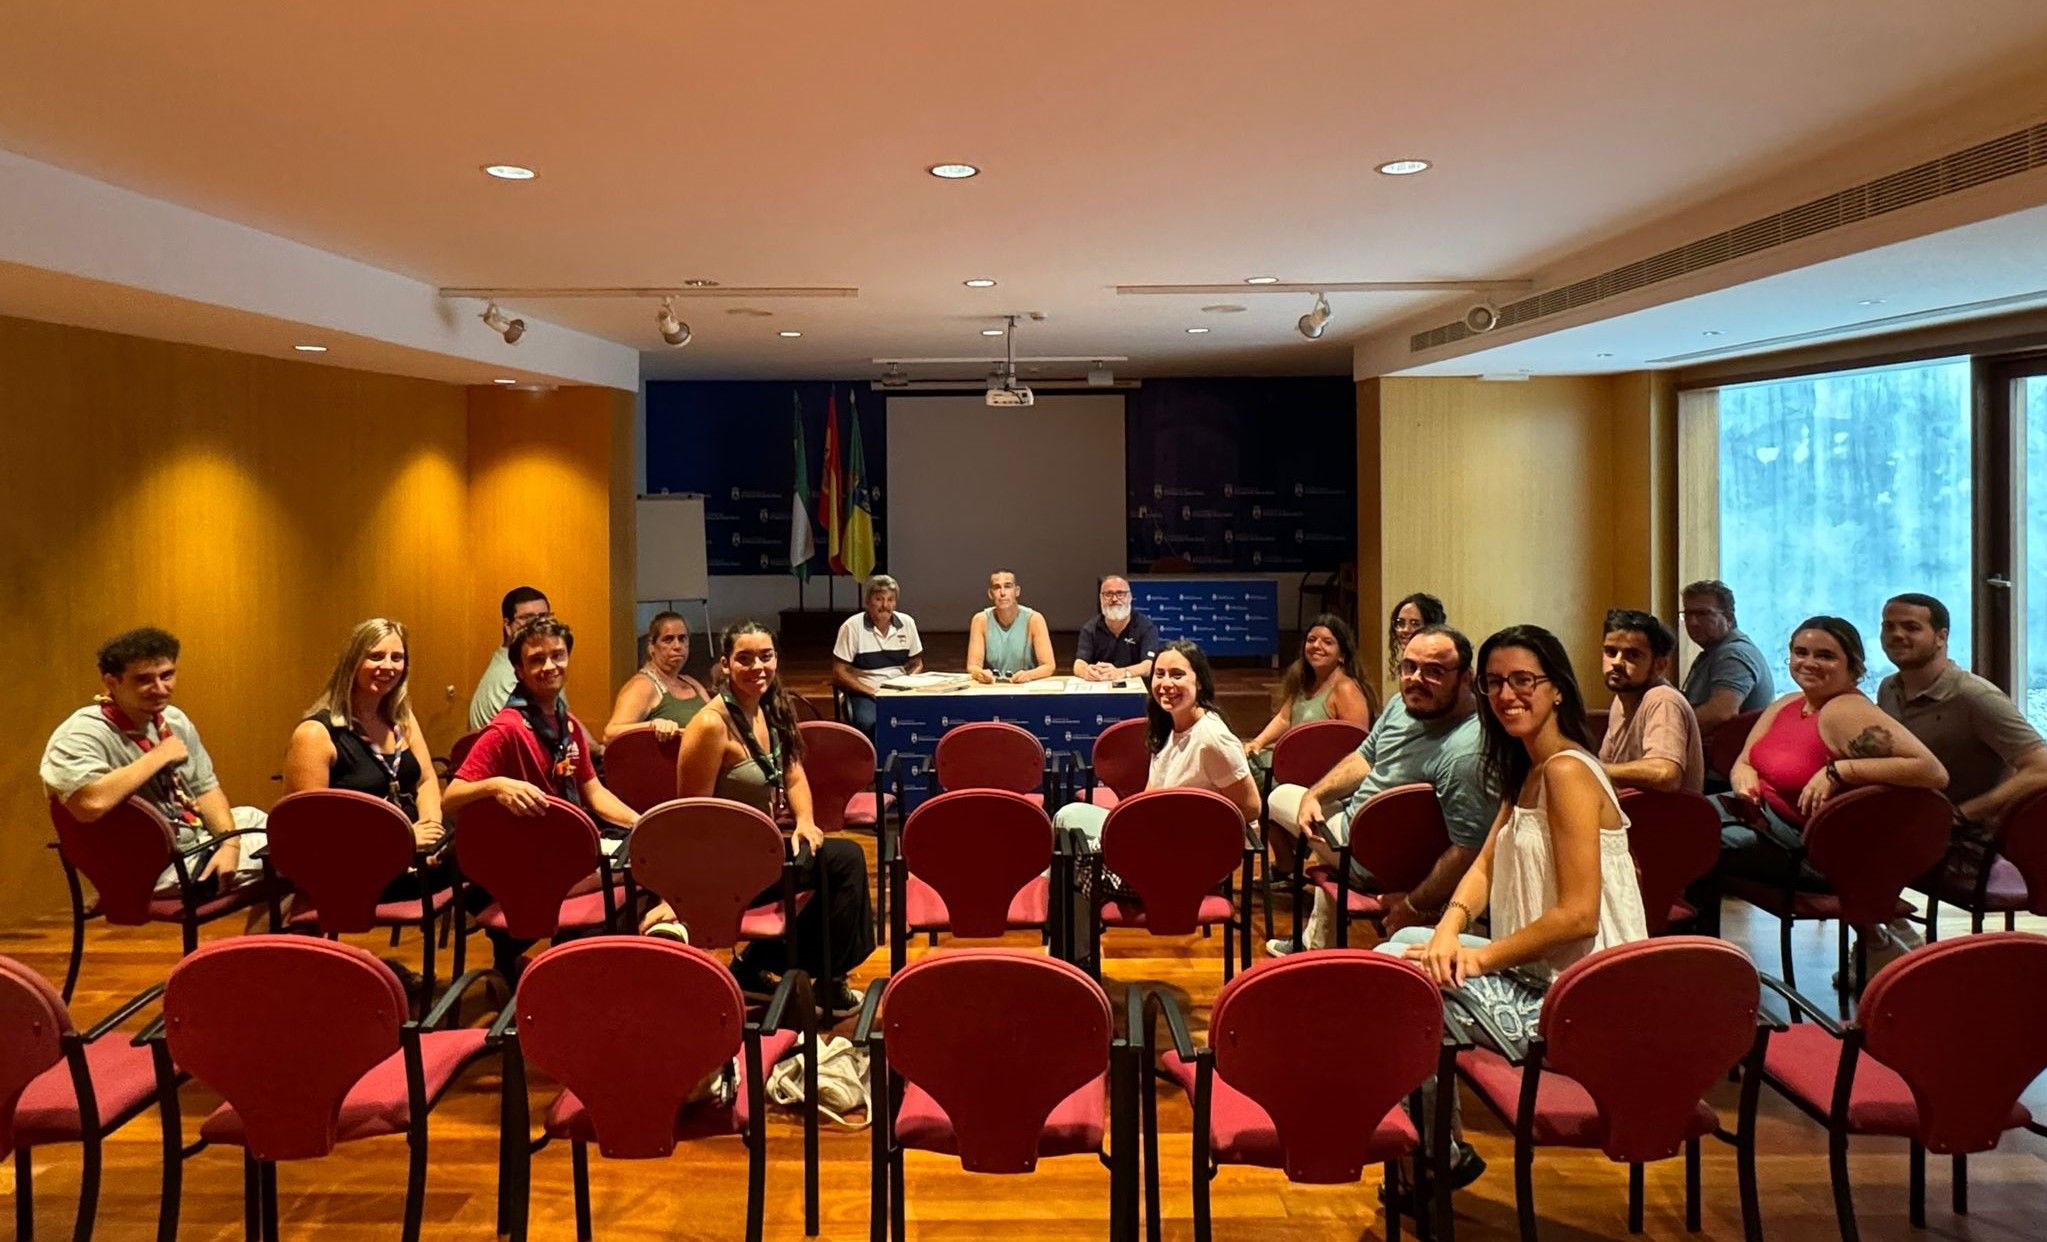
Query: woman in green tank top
[1008, 640]
[1323, 684]
[660, 691]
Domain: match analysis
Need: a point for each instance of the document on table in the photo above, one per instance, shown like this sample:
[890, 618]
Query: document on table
[925, 681]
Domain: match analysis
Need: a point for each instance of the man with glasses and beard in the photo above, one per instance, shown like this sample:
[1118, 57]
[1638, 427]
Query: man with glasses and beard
[1652, 736]
[1729, 675]
[1119, 642]
[1428, 735]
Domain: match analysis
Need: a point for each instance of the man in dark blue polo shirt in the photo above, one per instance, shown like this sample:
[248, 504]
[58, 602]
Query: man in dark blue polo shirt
[1117, 643]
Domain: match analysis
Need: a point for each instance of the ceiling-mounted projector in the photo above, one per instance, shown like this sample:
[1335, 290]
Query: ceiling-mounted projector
[1009, 395]
[1003, 389]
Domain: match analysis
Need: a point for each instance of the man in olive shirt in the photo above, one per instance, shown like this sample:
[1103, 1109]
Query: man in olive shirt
[1652, 736]
[1994, 758]
[1729, 676]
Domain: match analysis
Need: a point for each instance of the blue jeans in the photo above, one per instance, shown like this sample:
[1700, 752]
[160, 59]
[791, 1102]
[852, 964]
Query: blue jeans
[860, 711]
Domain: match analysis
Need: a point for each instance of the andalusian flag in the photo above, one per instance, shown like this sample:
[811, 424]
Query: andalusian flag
[801, 546]
[830, 497]
[859, 541]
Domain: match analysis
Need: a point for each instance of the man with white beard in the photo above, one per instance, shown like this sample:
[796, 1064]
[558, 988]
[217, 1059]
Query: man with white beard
[1118, 643]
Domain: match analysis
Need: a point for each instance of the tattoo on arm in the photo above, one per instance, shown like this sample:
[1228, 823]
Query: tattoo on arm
[1872, 743]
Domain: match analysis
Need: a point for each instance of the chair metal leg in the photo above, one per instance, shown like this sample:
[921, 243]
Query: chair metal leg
[266, 1171]
[1390, 1177]
[426, 960]
[756, 1182]
[88, 1190]
[1784, 959]
[1916, 1194]
[898, 1210]
[1932, 919]
[579, 1164]
[1635, 1197]
[1961, 1185]
[172, 1194]
[1204, 1225]
[1844, 1193]
[415, 1181]
[2011, 920]
[1692, 1221]
[1975, 922]
[24, 1196]
[1524, 1189]
[77, 935]
[1153, 1217]
[252, 1200]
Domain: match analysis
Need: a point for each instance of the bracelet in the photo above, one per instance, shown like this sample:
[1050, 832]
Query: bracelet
[1455, 904]
[1834, 773]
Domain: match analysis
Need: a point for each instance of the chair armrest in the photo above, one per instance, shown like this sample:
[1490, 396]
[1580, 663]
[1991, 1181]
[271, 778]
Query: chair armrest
[1456, 1035]
[212, 841]
[1827, 1023]
[870, 1005]
[456, 990]
[1161, 1003]
[153, 1033]
[1078, 845]
[794, 984]
[1514, 1050]
[506, 1026]
[127, 1010]
[798, 851]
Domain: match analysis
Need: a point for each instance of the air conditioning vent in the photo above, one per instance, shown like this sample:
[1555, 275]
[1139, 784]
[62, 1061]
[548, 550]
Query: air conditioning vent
[2017, 152]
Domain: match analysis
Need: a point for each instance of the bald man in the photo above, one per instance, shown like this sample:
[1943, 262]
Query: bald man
[1117, 643]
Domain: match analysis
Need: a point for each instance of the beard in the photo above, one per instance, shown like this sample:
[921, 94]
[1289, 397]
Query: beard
[1117, 613]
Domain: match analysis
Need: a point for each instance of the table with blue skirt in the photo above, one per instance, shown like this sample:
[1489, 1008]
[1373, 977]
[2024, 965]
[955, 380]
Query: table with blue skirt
[1064, 713]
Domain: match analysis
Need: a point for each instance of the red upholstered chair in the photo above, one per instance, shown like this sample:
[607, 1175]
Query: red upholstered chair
[1723, 745]
[1946, 1039]
[1177, 852]
[630, 1026]
[1397, 835]
[971, 862]
[1868, 843]
[2013, 877]
[1630, 1040]
[534, 865]
[1118, 766]
[122, 853]
[708, 858]
[640, 767]
[61, 1085]
[1675, 839]
[1375, 1026]
[458, 752]
[991, 755]
[1000, 1058]
[1595, 727]
[846, 788]
[324, 1055]
[1303, 755]
[340, 850]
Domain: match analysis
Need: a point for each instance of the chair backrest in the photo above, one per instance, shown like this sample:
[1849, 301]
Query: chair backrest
[998, 1038]
[631, 1024]
[805, 709]
[1173, 847]
[2024, 843]
[640, 767]
[1873, 841]
[340, 848]
[1305, 753]
[977, 848]
[460, 750]
[33, 1023]
[989, 755]
[1120, 760]
[1375, 1025]
[838, 761]
[527, 863]
[1724, 743]
[1675, 839]
[283, 1027]
[1398, 834]
[1595, 726]
[1964, 1023]
[1647, 1028]
[121, 852]
[708, 858]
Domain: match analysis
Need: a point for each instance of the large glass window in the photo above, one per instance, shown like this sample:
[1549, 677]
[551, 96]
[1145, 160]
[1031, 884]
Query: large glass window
[2032, 585]
[1838, 491]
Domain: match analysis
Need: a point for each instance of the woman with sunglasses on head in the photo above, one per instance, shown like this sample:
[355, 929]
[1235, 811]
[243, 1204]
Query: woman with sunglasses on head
[660, 691]
[1324, 684]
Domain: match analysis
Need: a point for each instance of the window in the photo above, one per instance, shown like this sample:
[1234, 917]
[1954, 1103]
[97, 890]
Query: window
[2031, 587]
[1838, 491]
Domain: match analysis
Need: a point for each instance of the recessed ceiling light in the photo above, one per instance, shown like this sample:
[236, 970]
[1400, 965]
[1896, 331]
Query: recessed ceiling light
[953, 172]
[751, 312]
[510, 172]
[700, 284]
[1196, 331]
[1403, 168]
[979, 282]
[1223, 308]
[1261, 280]
[310, 349]
[504, 379]
[789, 332]
[991, 332]
[1871, 302]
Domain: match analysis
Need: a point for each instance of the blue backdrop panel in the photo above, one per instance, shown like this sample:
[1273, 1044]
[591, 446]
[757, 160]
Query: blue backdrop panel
[1241, 475]
[911, 724]
[730, 441]
[1226, 616]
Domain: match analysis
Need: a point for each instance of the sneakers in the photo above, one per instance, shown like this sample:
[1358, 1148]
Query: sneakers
[841, 1000]
[1887, 944]
[670, 929]
[1320, 932]
[1281, 946]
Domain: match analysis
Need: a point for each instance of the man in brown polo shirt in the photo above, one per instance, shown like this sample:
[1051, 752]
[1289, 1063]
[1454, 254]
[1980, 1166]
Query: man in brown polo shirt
[1994, 758]
[1652, 735]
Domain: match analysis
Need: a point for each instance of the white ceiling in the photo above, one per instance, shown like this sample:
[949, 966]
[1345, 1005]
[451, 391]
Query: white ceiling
[1196, 141]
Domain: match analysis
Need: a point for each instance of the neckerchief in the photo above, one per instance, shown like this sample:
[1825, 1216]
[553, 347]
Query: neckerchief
[390, 763]
[557, 740]
[146, 737]
[769, 763]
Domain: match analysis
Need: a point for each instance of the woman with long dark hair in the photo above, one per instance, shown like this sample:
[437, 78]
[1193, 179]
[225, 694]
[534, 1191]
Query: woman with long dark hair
[1413, 614]
[1323, 684]
[744, 746]
[1190, 742]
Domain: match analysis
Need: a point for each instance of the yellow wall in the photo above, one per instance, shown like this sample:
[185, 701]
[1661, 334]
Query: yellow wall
[258, 508]
[1545, 501]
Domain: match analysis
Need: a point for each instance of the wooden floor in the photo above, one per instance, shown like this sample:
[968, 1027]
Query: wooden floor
[357, 1193]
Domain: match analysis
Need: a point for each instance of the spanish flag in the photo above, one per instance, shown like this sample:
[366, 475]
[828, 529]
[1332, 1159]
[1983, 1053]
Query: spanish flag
[859, 540]
[830, 498]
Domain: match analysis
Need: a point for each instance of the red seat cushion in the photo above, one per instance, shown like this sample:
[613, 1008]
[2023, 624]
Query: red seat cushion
[1565, 1115]
[765, 922]
[1804, 905]
[924, 909]
[1124, 912]
[586, 910]
[1804, 1059]
[123, 1082]
[860, 807]
[1681, 911]
[401, 913]
[1073, 1127]
[1102, 796]
[1360, 905]
[172, 909]
[1240, 1132]
[377, 1103]
[2005, 891]
[566, 1117]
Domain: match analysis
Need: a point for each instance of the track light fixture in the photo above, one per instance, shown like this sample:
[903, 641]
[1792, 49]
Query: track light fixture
[505, 326]
[673, 330]
[1312, 324]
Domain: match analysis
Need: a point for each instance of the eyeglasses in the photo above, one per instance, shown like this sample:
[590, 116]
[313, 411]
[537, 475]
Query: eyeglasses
[1404, 626]
[1115, 595]
[1427, 672]
[1700, 613]
[1522, 683]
